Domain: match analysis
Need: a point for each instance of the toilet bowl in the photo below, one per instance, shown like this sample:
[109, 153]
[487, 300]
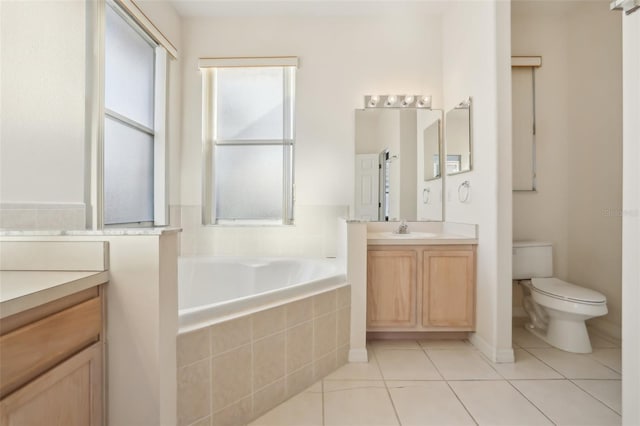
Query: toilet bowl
[566, 308]
[557, 309]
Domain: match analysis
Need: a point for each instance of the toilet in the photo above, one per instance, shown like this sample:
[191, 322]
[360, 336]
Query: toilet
[557, 309]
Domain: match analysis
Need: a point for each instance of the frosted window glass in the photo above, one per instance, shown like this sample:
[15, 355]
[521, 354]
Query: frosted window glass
[129, 71]
[128, 174]
[250, 103]
[249, 181]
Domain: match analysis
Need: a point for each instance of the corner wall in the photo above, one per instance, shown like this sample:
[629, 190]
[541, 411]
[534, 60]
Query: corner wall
[631, 221]
[476, 63]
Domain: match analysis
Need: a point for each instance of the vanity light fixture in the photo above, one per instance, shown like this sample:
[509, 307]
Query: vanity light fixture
[397, 101]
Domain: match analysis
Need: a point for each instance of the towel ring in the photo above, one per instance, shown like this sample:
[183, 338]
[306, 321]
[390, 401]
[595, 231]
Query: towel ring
[464, 190]
[426, 195]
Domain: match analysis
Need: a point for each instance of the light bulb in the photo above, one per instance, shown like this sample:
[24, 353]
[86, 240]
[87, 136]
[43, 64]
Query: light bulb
[424, 101]
[373, 100]
[408, 100]
[391, 99]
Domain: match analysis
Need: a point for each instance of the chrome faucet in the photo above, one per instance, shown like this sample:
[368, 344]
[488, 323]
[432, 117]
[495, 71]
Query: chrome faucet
[403, 228]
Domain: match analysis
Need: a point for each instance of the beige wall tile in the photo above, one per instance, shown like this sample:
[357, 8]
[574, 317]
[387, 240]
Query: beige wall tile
[193, 392]
[268, 322]
[193, 346]
[343, 326]
[324, 303]
[342, 356]
[324, 335]
[268, 397]
[230, 377]
[299, 311]
[268, 360]
[299, 346]
[325, 365]
[239, 413]
[344, 296]
[230, 334]
[299, 380]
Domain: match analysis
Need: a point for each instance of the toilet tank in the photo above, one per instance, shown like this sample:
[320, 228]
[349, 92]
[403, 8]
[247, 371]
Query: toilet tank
[532, 259]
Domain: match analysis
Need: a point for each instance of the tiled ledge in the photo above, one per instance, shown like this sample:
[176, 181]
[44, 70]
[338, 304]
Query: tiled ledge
[158, 230]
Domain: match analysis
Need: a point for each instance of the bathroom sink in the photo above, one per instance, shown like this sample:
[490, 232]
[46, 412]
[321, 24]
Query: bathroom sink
[409, 236]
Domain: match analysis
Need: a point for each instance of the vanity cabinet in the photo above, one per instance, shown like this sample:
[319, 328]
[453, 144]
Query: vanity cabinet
[421, 288]
[391, 288]
[51, 363]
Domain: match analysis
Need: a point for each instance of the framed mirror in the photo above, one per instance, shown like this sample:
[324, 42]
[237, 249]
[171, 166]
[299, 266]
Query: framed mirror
[458, 138]
[398, 170]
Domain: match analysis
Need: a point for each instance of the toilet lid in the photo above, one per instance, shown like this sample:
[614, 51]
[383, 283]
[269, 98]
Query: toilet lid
[563, 290]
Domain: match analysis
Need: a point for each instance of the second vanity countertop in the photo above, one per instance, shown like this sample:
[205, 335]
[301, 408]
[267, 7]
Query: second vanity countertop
[418, 238]
[22, 290]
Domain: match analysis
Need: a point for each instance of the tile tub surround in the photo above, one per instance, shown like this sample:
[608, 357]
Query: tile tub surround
[234, 371]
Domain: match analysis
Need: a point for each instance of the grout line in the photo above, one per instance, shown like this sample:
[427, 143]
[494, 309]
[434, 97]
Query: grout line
[462, 403]
[594, 396]
[531, 402]
[542, 361]
[393, 405]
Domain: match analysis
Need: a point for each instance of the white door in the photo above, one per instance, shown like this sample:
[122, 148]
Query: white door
[366, 205]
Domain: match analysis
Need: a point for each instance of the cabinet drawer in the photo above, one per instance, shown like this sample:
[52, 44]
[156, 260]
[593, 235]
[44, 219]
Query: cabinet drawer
[29, 351]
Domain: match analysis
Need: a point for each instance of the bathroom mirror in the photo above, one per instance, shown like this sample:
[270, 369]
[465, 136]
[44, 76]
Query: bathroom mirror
[398, 170]
[458, 138]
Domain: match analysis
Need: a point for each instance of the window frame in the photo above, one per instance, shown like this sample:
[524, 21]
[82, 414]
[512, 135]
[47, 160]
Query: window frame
[96, 111]
[208, 67]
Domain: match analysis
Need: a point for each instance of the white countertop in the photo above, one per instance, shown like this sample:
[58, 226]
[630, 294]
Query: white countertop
[418, 239]
[22, 290]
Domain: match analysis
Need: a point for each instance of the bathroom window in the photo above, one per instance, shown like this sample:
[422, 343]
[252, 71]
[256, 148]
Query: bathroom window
[248, 136]
[135, 70]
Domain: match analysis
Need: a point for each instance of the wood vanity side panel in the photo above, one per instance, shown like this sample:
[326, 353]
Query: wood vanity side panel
[31, 350]
[391, 288]
[448, 289]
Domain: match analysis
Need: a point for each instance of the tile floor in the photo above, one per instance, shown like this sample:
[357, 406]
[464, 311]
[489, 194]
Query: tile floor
[425, 383]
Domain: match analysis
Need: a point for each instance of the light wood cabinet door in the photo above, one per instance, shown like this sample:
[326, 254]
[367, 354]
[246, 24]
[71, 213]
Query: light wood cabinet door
[391, 288]
[67, 395]
[448, 290]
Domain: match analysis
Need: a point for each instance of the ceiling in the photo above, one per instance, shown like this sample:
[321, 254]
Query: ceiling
[216, 8]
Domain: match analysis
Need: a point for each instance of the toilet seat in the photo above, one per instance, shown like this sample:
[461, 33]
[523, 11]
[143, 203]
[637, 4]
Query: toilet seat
[558, 289]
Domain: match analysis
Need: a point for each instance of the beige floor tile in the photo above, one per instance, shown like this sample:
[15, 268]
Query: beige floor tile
[574, 366]
[607, 391]
[497, 403]
[566, 404]
[427, 403]
[406, 364]
[525, 339]
[352, 403]
[610, 357]
[357, 371]
[462, 365]
[446, 344]
[526, 367]
[392, 344]
[303, 409]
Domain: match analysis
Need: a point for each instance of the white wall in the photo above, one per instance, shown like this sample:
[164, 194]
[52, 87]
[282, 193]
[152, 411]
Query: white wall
[476, 63]
[578, 143]
[631, 222]
[342, 58]
[42, 63]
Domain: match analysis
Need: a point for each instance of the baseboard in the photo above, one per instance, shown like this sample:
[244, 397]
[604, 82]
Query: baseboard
[602, 326]
[494, 354]
[358, 355]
